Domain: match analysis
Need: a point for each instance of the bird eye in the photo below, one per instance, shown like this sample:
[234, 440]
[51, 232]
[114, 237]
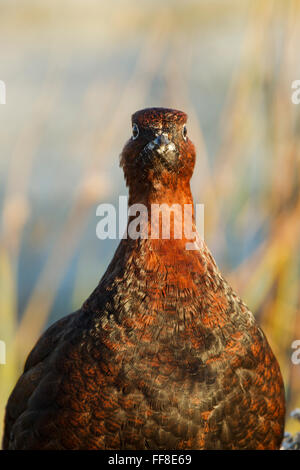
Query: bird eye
[135, 131]
[184, 132]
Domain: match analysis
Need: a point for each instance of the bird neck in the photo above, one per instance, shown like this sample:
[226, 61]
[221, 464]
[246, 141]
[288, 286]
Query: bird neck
[157, 262]
[161, 212]
[161, 192]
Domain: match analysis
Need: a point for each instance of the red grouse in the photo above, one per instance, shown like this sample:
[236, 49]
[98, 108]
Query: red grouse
[163, 354]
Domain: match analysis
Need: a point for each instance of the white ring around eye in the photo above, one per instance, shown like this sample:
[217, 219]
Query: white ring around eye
[184, 132]
[135, 131]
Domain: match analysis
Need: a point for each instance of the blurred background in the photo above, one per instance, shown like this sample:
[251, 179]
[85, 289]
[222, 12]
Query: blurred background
[75, 71]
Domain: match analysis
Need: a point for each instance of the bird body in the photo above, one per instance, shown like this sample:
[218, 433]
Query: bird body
[163, 354]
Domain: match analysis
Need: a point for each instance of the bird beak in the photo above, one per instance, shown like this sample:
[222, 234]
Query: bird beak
[163, 149]
[161, 139]
[161, 144]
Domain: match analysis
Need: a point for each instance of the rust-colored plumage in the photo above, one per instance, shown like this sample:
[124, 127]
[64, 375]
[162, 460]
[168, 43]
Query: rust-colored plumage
[163, 354]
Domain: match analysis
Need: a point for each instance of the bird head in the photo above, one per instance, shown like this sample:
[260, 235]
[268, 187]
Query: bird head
[159, 153]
